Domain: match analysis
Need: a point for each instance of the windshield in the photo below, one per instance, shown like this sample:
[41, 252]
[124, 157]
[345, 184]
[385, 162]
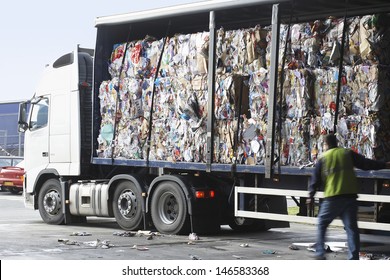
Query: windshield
[9, 161]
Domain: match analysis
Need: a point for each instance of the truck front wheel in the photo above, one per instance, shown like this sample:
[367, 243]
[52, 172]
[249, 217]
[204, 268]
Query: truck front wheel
[50, 202]
[169, 209]
[127, 206]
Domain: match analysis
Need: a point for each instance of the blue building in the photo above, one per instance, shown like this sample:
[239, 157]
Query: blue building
[11, 141]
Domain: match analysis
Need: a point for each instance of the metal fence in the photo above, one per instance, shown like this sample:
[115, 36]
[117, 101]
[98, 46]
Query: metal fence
[11, 141]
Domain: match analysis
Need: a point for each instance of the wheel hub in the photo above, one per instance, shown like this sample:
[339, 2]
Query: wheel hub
[52, 202]
[127, 204]
[168, 208]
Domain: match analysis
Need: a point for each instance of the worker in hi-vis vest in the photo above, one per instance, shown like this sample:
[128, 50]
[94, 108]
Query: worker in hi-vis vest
[334, 172]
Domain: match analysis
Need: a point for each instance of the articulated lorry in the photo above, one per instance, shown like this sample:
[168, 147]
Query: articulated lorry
[186, 118]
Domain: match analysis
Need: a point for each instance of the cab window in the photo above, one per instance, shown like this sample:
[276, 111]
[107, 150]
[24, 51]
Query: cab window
[39, 114]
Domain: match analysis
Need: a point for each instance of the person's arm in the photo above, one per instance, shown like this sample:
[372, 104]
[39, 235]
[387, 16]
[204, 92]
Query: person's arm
[316, 180]
[364, 163]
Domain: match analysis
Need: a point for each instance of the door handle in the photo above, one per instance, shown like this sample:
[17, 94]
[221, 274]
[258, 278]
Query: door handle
[45, 154]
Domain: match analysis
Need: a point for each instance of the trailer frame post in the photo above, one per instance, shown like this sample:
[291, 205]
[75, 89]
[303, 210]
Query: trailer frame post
[274, 69]
[376, 204]
[211, 92]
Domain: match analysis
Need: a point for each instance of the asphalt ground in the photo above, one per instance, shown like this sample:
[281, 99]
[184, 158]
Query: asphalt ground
[24, 236]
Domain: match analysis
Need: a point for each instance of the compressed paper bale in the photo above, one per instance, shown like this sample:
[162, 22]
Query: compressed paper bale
[298, 92]
[225, 132]
[241, 51]
[295, 142]
[179, 122]
[225, 96]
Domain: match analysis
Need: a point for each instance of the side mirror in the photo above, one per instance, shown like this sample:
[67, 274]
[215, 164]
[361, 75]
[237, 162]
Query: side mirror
[22, 121]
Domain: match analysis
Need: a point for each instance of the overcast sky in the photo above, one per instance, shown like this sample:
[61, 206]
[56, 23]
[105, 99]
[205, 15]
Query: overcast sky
[35, 33]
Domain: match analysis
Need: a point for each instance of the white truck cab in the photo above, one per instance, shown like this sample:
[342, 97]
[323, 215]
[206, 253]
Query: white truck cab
[52, 127]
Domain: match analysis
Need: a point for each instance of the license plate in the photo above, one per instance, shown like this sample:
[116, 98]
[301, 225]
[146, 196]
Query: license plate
[8, 184]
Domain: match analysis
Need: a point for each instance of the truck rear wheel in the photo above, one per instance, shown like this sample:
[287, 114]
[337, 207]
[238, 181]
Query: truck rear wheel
[127, 206]
[50, 202]
[169, 209]
[242, 224]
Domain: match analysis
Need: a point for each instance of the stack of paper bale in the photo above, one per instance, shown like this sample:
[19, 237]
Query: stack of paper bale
[305, 111]
[180, 112]
[179, 97]
[364, 92]
[241, 58]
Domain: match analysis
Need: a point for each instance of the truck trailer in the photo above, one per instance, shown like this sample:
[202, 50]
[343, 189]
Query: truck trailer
[186, 118]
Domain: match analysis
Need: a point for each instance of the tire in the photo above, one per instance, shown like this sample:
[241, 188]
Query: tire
[240, 224]
[169, 210]
[50, 202]
[247, 224]
[127, 206]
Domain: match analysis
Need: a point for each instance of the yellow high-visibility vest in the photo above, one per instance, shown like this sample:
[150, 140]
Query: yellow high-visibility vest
[338, 173]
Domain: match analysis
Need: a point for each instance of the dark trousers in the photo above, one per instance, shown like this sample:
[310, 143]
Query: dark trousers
[345, 208]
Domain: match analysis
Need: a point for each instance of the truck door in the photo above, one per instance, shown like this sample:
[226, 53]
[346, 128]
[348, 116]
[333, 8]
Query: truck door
[37, 139]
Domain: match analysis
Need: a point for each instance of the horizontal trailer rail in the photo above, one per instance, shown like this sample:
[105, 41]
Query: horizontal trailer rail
[302, 219]
[231, 168]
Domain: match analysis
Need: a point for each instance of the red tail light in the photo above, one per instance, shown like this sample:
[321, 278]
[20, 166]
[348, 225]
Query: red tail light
[199, 194]
[205, 194]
